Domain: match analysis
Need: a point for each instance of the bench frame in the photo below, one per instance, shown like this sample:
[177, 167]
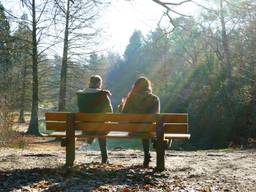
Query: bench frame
[69, 141]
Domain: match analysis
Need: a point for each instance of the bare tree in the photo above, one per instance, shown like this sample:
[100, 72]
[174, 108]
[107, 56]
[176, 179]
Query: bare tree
[63, 74]
[36, 34]
[79, 33]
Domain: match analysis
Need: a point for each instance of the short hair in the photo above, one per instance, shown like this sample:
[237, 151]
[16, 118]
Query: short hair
[95, 81]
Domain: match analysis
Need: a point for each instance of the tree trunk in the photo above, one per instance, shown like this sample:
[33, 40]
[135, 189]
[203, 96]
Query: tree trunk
[63, 75]
[225, 44]
[33, 125]
[22, 97]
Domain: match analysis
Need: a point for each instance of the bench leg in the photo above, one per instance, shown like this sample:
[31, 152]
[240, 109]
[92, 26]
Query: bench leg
[70, 152]
[160, 148]
[70, 145]
[160, 152]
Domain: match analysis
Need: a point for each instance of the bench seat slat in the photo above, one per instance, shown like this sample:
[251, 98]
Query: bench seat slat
[55, 134]
[120, 135]
[132, 127]
[177, 136]
[117, 135]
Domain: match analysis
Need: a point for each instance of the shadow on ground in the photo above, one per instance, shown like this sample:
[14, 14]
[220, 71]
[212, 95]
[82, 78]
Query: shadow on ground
[85, 177]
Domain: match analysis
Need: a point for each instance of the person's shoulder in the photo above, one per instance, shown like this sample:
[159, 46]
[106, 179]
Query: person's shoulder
[81, 91]
[105, 92]
[154, 97]
[92, 91]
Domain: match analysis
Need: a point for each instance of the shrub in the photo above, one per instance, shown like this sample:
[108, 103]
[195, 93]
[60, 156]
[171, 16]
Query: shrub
[8, 136]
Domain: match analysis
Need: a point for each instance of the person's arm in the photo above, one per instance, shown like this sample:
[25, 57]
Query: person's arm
[106, 105]
[127, 108]
[109, 107]
[156, 105]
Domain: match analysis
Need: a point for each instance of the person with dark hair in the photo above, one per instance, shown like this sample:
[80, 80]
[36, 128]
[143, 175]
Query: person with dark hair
[141, 100]
[95, 100]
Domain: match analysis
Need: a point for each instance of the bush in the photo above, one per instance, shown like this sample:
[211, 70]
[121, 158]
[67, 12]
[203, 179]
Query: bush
[8, 136]
[6, 122]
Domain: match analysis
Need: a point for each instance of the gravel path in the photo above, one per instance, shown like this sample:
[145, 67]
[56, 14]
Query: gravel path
[40, 168]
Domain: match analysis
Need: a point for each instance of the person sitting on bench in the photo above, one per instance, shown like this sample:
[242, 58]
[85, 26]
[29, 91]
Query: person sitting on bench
[141, 100]
[95, 100]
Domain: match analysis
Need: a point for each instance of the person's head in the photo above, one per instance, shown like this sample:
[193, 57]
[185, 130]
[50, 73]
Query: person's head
[95, 82]
[142, 85]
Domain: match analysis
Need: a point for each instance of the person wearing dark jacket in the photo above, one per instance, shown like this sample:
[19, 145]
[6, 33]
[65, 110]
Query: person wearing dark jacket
[95, 100]
[141, 100]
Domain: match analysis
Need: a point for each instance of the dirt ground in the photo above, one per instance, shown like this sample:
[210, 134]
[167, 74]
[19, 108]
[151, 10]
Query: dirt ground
[39, 167]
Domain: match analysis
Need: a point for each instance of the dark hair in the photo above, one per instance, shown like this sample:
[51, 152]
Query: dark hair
[95, 81]
[142, 85]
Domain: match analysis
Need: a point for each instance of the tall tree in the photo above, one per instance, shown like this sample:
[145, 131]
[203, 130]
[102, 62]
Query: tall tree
[22, 58]
[33, 124]
[5, 56]
[37, 12]
[78, 34]
[63, 74]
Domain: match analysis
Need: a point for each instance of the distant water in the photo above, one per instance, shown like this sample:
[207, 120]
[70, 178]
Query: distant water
[114, 143]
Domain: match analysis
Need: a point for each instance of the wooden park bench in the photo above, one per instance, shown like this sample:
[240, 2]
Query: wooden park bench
[163, 127]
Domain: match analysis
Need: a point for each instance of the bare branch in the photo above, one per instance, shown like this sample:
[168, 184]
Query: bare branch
[165, 4]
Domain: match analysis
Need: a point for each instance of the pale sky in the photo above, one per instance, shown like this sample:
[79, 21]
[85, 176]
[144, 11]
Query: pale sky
[125, 16]
[122, 17]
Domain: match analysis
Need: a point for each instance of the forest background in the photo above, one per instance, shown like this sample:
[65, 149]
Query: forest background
[202, 65]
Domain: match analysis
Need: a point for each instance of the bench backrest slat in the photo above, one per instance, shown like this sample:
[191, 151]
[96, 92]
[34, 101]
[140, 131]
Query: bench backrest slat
[95, 117]
[116, 127]
[56, 116]
[56, 126]
[176, 128]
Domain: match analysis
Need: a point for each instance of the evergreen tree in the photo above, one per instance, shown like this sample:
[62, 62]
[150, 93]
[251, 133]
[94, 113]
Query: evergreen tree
[5, 57]
[22, 60]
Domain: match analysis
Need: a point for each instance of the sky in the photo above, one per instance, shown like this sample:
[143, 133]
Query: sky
[122, 17]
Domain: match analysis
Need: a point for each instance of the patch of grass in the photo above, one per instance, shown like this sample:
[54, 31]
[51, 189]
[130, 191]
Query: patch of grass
[19, 142]
[8, 136]
[15, 140]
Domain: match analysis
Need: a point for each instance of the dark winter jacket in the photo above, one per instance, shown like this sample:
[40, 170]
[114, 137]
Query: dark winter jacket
[94, 101]
[142, 103]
